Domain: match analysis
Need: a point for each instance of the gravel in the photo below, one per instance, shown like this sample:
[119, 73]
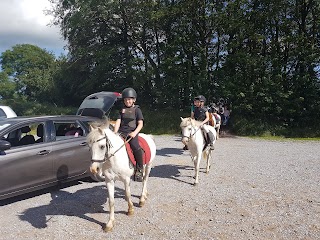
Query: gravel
[256, 189]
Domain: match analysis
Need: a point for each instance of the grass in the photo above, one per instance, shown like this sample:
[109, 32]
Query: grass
[286, 138]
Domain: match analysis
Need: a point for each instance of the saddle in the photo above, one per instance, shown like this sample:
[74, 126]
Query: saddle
[144, 146]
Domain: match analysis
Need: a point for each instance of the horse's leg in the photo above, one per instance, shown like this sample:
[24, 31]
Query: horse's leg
[218, 131]
[208, 155]
[144, 194]
[128, 196]
[110, 224]
[197, 166]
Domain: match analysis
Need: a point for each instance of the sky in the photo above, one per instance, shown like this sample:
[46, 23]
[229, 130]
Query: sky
[24, 22]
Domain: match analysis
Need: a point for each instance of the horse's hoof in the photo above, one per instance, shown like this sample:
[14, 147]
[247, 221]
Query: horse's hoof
[141, 204]
[130, 212]
[108, 229]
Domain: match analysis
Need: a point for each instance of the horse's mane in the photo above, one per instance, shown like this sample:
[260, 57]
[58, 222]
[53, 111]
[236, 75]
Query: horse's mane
[101, 124]
[93, 135]
[187, 121]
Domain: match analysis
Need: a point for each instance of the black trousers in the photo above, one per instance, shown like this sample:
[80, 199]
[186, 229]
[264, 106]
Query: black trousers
[134, 142]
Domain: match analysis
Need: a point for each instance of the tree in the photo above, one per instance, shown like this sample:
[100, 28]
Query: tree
[30, 67]
[7, 87]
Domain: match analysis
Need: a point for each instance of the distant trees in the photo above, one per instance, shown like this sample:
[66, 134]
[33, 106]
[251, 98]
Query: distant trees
[29, 69]
[262, 55]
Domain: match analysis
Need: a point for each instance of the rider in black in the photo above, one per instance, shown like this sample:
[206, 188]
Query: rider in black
[200, 113]
[129, 123]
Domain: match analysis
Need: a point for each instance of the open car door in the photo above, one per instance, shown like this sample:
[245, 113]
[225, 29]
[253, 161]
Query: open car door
[99, 104]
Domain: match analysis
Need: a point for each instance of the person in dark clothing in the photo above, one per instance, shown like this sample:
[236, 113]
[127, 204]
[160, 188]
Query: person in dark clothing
[129, 123]
[200, 113]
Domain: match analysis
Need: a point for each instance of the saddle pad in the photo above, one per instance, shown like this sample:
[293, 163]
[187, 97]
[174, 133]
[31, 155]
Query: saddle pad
[144, 145]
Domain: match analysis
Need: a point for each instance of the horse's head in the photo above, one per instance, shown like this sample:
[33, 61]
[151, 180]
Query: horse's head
[188, 129]
[97, 141]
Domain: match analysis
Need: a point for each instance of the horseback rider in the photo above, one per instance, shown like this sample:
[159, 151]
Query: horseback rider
[129, 123]
[200, 113]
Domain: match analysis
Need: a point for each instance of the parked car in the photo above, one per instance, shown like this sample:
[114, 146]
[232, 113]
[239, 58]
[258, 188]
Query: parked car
[6, 112]
[37, 152]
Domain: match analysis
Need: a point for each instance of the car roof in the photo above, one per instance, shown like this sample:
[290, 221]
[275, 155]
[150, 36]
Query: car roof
[46, 118]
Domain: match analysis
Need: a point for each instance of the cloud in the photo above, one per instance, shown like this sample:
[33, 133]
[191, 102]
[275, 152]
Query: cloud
[24, 21]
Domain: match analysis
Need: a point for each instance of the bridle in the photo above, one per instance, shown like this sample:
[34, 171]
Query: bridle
[109, 146]
[191, 134]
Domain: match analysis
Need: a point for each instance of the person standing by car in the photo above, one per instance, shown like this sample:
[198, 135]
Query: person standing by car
[129, 123]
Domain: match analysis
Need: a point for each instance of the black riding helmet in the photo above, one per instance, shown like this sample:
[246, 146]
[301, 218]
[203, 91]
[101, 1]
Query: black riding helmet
[129, 93]
[201, 98]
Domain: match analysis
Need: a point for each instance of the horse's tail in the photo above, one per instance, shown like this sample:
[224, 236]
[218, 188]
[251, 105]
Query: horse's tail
[205, 154]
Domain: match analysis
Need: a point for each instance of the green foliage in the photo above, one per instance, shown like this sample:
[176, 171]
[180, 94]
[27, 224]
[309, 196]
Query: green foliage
[30, 69]
[7, 86]
[262, 55]
[22, 107]
[162, 121]
[244, 126]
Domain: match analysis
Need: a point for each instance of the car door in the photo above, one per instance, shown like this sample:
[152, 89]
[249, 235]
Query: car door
[70, 152]
[24, 167]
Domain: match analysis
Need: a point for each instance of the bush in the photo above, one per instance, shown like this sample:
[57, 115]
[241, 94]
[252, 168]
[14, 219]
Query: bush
[163, 121]
[24, 108]
[257, 127]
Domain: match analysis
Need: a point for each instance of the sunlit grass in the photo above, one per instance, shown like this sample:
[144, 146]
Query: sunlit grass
[285, 138]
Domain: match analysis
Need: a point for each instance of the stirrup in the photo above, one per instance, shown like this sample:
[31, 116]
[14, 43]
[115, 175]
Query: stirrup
[211, 146]
[138, 175]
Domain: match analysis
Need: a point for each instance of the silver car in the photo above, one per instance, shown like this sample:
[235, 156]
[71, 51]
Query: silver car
[37, 152]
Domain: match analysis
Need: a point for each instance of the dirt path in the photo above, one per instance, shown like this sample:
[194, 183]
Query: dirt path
[256, 189]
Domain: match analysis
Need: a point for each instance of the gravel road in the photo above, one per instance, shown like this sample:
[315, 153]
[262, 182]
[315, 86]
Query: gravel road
[256, 189]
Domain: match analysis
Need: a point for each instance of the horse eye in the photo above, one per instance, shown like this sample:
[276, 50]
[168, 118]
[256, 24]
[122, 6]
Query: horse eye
[189, 129]
[102, 147]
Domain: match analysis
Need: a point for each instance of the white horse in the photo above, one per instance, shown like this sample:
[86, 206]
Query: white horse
[192, 137]
[109, 154]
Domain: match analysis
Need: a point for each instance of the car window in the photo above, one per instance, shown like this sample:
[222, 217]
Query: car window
[67, 129]
[25, 135]
[2, 113]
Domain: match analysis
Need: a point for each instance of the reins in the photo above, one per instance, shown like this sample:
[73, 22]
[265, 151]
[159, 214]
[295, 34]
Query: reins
[191, 135]
[112, 155]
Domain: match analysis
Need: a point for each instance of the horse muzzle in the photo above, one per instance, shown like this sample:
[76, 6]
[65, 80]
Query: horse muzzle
[94, 168]
[185, 140]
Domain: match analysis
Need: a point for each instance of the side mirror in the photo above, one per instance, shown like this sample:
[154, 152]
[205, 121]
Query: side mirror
[4, 145]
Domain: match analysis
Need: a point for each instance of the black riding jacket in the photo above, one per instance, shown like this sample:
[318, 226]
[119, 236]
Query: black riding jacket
[200, 113]
[129, 117]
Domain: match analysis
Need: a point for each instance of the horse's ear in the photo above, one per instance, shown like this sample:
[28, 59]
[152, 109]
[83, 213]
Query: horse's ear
[90, 128]
[100, 130]
[181, 118]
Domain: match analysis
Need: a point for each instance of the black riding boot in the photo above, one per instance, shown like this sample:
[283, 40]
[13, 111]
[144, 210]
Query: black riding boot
[138, 155]
[211, 139]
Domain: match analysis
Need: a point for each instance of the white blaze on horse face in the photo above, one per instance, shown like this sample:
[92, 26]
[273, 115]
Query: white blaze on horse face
[98, 150]
[186, 129]
[185, 135]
